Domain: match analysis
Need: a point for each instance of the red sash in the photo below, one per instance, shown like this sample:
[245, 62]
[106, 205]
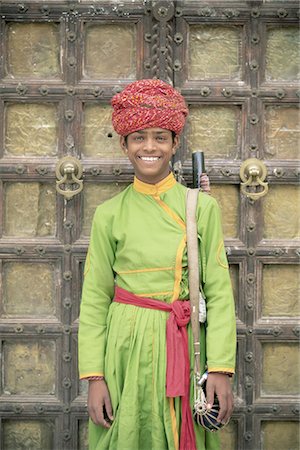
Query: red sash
[178, 363]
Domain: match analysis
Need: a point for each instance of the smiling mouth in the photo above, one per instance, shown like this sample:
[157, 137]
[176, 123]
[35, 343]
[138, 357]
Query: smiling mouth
[149, 158]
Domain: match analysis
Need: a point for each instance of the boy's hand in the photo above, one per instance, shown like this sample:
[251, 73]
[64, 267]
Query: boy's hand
[98, 402]
[219, 384]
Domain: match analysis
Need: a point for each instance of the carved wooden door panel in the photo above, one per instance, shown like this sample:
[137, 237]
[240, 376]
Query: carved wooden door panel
[238, 68]
[60, 65]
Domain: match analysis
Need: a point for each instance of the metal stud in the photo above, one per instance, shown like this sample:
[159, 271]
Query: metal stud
[40, 250]
[226, 172]
[44, 90]
[281, 13]
[71, 90]
[72, 61]
[248, 436]
[206, 12]
[68, 224]
[248, 385]
[251, 251]
[18, 409]
[66, 435]
[67, 383]
[278, 252]
[99, 10]
[19, 250]
[230, 13]
[275, 408]
[255, 12]
[67, 302]
[147, 37]
[117, 171]
[20, 169]
[71, 36]
[178, 38]
[249, 304]
[255, 39]
[97, 91]
[178, 12]
[67, 356]
[205, 91]
[40, 329]
[69, 115]
[40, 409]
[254, 119]
[95, 171]
[22, 8]
[227, 92]
[254, 65]
[42, 170]
[147, 65]
[280, 93]
[276, 331]
[250, 278]
[67, 276]
[21, 89]
[278, 172]
[296, 331]
[248, 357]
[251, 226]
[177, 65]
[45, 10]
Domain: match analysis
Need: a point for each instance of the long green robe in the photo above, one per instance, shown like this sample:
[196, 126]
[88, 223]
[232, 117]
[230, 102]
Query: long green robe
[138, 241]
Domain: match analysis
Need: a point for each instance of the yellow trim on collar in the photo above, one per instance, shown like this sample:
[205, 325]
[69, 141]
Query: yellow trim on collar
[154, 189]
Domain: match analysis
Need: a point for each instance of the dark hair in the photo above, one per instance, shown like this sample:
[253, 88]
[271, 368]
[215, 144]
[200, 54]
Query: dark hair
[173, 137]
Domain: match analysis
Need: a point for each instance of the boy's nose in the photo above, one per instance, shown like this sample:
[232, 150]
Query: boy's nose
[149, 144]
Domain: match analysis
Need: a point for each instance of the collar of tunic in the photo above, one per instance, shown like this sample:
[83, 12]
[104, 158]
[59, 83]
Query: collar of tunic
[155, 189]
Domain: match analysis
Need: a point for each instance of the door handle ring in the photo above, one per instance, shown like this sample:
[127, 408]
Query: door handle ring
[68, 172]
[253, 172]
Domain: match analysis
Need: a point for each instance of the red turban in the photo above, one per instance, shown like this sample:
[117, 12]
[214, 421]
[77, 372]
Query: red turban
[148, 104]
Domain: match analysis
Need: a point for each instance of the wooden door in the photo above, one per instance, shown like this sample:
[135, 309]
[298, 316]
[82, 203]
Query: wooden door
[237, 65]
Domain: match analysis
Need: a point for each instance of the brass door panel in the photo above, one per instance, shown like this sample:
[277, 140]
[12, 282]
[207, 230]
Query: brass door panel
[237, 64]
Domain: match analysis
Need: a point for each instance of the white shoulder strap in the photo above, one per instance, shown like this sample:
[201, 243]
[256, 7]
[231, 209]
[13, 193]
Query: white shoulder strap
[193, 268]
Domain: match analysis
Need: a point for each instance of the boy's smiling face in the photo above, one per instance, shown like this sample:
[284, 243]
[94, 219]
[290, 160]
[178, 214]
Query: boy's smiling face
[150, 151]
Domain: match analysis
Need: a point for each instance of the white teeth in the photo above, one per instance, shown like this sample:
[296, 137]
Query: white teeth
[149, 158]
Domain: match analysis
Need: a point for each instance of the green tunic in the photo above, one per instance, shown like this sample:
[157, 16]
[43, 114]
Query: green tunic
[138, 241]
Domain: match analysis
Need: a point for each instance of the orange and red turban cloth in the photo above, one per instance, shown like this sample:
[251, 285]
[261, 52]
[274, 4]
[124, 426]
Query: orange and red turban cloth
[148, 104]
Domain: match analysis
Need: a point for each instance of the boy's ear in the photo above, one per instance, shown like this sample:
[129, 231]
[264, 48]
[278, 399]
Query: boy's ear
[123, 144]
[176, 143]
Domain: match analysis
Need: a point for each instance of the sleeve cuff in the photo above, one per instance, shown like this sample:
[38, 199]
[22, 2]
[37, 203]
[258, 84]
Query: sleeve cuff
[86, 376]
[228, 370]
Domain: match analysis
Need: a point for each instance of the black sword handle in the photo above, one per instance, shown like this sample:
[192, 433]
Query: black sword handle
[198, 167]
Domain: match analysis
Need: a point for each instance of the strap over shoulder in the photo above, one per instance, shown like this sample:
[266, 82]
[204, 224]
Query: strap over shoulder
[193, 268]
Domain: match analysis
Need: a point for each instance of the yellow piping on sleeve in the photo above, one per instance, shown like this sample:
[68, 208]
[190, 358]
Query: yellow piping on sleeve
[220, 262]
[87, 264]
[152, 269]
[174, 424]
[178, 268]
